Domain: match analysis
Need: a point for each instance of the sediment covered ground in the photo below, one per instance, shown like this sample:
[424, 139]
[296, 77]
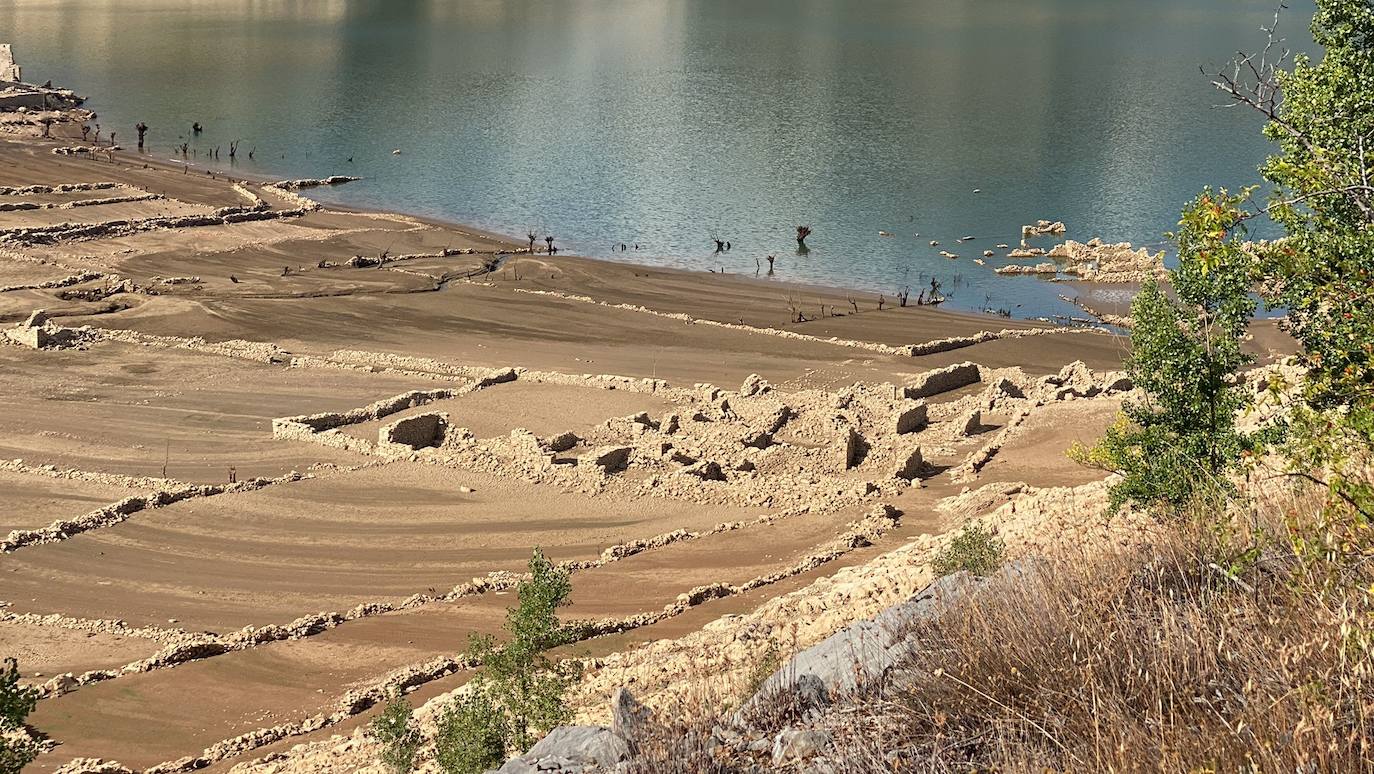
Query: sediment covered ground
[269, 461]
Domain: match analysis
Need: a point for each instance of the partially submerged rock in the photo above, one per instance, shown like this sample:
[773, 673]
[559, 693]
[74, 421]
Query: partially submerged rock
[1042, 228]
[1097, 261]
[1039, 268]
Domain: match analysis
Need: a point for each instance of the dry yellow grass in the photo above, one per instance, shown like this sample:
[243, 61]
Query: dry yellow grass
[1154, 658]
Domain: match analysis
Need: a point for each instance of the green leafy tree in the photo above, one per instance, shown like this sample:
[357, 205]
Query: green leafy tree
[398, 735]
[519, 676]
[473, 735]
[519, 692]
[1180, 442]
[1321, 116]
[17, 750]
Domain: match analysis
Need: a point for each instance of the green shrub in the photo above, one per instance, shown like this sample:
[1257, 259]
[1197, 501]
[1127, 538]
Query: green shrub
[473, 735]
[399, 738]
[975, 549]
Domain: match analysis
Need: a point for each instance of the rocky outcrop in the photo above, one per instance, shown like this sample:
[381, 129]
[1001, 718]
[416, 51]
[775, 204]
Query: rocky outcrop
[571, 749]
[860, 654]
[1043, 228]
[1097, 261]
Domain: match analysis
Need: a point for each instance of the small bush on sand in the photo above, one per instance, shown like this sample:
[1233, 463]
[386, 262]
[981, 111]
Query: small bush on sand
[17, 750]
[400, 740]
[975, 549]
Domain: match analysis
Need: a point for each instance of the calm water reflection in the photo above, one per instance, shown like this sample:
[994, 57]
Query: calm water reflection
[664, 122]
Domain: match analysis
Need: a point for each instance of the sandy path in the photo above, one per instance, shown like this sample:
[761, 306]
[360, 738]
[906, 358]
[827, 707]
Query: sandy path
[1037, 453]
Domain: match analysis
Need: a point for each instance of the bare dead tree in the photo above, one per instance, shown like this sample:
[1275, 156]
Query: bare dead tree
[1252, 80]
[142, 130]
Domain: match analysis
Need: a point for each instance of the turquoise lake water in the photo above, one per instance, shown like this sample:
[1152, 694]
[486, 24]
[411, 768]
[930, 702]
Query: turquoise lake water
[665, 123]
